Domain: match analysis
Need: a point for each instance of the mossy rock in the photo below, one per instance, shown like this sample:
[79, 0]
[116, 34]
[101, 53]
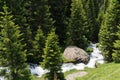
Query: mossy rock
[67, 61]
[89, 50]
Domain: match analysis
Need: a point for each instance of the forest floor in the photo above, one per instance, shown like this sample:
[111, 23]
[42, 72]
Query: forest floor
[73, 76]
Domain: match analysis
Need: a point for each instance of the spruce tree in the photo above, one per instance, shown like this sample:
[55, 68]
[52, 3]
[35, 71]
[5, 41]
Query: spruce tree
[60, 12]
[102, 12]
[116, 51]
[38, 44]
[108, 29]
[21, 13]
[18, 8]
[52, 57]
[1, 4]
[106, 3]
[28, 40]
[77, 25]
[39, 15]
[91, 9]
[14, 55]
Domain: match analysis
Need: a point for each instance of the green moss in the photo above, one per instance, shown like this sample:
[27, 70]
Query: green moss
[66, 60]
[89, 50]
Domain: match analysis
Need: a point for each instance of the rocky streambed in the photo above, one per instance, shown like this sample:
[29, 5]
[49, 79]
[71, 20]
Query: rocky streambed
[95, 57]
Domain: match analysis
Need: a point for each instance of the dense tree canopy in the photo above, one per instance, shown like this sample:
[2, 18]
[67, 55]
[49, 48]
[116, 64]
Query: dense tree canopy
[60, 12]
[53, 57]
[11, 49]
[77, 24]
[109, 27]
[38, 44]
[116, 50]
[26, 32]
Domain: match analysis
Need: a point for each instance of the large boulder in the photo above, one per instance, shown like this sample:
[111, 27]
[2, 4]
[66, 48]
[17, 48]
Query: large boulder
[75, 54]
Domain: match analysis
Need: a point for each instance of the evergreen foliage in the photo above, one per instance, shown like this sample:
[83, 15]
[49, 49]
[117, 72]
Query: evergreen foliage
[39, 15]
[76, 22]
[18, 10]
[1, 5]
[102, 12]
[116, 51]
[28, 37]
[53, 57]
[77, 25]
[21, 13]
[38, 44]
[106, 3]
[108, 29]
[92, 9]
[30, 14]
[60, 12]
[12, 53]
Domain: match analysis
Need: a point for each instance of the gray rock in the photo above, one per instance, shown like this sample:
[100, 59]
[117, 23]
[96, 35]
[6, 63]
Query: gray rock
[75, 54]
[73, 76]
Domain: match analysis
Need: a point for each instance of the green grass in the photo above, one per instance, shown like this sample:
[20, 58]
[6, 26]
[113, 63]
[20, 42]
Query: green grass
[109, 71]
[39, 78]
[70, 72]
[65, 74]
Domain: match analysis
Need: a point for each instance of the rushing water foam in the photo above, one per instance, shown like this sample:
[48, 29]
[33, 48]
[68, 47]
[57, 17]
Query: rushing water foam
[95, 57]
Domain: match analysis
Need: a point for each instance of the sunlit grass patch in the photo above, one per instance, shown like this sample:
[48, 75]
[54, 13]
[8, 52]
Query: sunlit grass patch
[109, 71]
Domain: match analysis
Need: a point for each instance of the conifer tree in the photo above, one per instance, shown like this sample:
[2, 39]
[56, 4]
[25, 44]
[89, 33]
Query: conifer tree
[77, 25]
[1, 4]
[38, 44]
[39, 15]
[52, 57]
[116, 51]
[10, 45]
[106, 3]
[91, 9]
[28, 40]
[60, 12]
[102, 12]
[21, 12]
[108, 29]
[18, 8]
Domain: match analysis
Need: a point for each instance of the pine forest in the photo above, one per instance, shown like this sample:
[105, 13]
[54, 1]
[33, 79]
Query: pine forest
[39, 31]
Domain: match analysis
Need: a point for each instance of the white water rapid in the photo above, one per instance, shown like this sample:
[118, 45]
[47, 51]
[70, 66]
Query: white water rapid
[95, 57]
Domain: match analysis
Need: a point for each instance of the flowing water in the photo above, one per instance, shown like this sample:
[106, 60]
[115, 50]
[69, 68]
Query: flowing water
[95, 57]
